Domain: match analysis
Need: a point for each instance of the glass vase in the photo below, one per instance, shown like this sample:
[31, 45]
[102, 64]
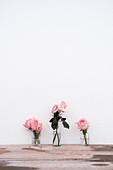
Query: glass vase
[35, 141]
[84, 139]
[57, 137]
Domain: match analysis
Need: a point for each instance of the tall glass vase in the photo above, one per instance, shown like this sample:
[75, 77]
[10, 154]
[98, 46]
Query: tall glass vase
[84, 139]
[57, 137]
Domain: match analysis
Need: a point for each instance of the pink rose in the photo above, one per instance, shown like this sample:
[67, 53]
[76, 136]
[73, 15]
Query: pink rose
[34, 124]
[54, 109]
[39, 128]
[28, 123]
[62, 106]
[83, 124]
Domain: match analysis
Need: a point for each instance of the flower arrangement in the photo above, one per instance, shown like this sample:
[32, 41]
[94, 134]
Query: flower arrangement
[34, 126]
[83, 125]
[56, 113]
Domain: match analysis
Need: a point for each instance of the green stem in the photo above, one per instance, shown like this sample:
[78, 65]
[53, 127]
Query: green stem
[85, 139]
[58, 137]
[54, 138]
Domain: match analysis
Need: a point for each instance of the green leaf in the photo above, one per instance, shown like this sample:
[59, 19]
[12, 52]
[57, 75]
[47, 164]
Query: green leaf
[55, 121]
[54, 126]
[59, 117]
[56, 114]
[51, 120]
[65, 124]
[85, 131]
[63, 119]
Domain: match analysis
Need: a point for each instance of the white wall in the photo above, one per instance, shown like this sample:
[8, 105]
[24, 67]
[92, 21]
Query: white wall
[53, 50]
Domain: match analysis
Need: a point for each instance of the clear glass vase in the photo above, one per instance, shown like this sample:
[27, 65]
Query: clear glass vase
[57, 137]
[35, 141]
[84, 139]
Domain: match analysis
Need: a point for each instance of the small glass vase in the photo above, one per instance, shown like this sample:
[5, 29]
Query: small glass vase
[57, 137]
[35, 141]
[84, 139]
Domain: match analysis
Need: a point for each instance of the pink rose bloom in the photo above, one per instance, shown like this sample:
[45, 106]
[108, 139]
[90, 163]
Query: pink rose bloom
[34, 124]
[83, 124]
[54, 109]
[62, 106]
[28, 123]
[39, 128]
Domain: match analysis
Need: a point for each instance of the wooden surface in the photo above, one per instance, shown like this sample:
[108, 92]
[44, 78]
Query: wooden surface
[68, 157]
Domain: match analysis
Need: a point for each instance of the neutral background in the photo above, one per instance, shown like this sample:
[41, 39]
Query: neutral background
[54, 50]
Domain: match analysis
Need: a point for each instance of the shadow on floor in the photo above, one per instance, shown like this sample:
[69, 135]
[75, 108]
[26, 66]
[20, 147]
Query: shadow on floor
[3, 166]
[3, 150]
[102, 148]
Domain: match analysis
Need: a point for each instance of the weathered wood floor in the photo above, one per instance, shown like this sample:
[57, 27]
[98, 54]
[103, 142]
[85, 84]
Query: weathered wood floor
[47, 157]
